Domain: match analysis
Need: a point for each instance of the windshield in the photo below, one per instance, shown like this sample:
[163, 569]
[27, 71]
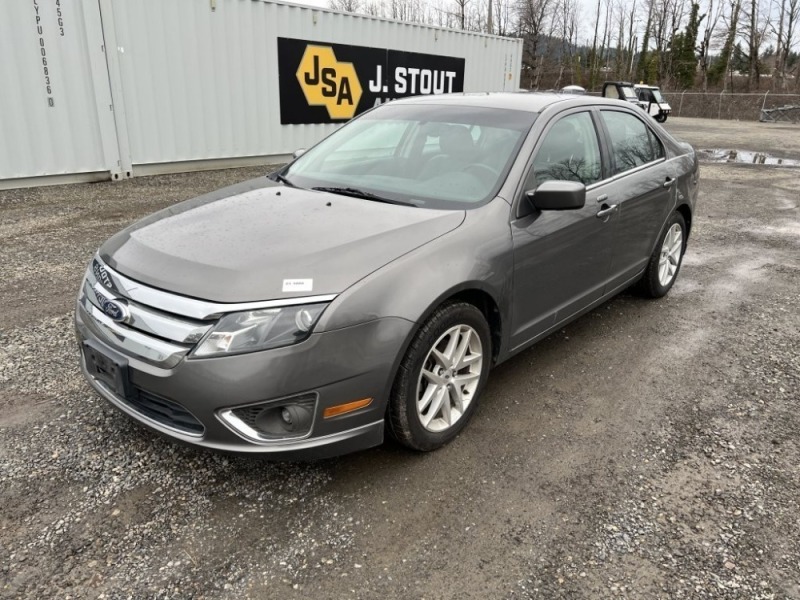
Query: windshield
[657, 96]
[435, 156]
[628, 92]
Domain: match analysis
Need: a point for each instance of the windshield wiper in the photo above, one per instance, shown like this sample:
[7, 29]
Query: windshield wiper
[283, 180]
[356, 193]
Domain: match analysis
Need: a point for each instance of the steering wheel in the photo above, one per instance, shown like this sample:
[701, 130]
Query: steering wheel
[484, 170]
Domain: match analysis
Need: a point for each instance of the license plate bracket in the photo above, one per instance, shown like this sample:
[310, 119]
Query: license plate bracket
[107, 367]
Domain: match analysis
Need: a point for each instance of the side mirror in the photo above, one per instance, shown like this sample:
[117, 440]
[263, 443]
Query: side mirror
[298, 153]
[558, 195]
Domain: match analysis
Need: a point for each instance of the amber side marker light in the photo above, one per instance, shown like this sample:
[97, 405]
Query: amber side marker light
[343, 409]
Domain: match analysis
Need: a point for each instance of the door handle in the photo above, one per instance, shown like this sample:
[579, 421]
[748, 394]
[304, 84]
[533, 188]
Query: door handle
[669, 181]
[607, 211]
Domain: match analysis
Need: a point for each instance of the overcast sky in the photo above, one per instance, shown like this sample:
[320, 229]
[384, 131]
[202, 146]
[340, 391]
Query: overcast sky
[587, 12]
[586, 25]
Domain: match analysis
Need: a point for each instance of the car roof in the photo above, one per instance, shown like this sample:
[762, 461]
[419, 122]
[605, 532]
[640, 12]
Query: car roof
[534, 102]
[527, 101]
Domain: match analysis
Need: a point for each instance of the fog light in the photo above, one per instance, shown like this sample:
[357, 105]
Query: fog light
[271, 421]
[294, 417]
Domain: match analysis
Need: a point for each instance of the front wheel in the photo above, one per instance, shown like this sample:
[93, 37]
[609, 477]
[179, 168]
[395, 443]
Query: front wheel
[441, 377]
[665, 262]
[661, 118]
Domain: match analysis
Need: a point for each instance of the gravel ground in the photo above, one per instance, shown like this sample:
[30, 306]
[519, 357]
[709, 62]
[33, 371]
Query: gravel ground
[648, 450]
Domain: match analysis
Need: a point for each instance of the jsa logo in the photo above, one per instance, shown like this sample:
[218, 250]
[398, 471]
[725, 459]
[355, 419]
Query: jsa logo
[327, 82]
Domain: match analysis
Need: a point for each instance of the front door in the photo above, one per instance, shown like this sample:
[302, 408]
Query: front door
[562, 258]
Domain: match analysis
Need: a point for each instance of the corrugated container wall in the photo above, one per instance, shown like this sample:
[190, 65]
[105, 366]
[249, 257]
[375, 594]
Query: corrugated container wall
[55, 102]
[146, 86]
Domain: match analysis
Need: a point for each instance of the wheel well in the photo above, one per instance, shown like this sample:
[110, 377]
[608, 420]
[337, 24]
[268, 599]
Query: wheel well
[686, 213]
[486, 304]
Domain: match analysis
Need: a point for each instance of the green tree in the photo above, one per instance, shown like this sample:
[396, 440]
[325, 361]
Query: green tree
[740, 60]
[578, 73]
[718, 70]
[651, 68]
[644, 57]
[683, 47]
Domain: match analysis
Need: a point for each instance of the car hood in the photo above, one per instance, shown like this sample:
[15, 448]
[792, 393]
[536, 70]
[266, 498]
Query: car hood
[260, 241]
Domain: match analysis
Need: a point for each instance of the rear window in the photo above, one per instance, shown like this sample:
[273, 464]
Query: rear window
[632, 142]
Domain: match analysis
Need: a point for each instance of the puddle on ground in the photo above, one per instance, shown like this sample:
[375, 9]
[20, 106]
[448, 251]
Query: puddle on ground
[721, 155]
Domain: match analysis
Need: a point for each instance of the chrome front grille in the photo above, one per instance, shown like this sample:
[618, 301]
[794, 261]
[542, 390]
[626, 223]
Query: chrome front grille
[140, 330]
[148, 319]
[131, 342]
[157, 327]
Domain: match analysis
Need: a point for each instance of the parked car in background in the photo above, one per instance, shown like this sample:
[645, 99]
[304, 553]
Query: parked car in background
[621, 90]
[372, 283]
[653, 102]
[648, 97]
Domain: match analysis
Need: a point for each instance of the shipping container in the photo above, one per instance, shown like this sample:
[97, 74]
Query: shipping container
[115, 88]
[56, 114]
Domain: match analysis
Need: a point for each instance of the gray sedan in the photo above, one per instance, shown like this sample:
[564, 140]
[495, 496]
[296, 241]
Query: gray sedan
[371, 284]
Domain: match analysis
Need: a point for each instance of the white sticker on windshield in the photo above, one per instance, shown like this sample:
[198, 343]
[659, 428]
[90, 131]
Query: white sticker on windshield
[298, 285]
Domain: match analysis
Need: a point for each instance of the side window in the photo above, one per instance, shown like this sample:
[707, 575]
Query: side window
[656, 145]
[570, 151]
[632, 142]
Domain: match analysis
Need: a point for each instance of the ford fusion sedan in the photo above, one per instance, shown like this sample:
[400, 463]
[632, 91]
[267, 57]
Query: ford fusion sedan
[370, 285]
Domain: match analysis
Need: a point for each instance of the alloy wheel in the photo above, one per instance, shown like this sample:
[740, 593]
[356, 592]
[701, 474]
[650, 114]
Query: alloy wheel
[670, 256]
[449, 378]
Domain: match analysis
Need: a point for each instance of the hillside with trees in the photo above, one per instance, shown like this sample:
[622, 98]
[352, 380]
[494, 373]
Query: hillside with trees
[707, 45]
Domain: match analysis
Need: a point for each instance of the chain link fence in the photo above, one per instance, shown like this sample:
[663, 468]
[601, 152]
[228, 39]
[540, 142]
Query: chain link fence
[767, 106]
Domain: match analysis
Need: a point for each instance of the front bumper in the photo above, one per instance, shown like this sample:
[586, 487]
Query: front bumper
[336, 366]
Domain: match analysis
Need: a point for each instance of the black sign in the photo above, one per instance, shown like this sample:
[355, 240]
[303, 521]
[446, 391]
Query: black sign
[329, 83]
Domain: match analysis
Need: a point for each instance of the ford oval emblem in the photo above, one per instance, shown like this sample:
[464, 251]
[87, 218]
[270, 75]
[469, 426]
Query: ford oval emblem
[116, 310]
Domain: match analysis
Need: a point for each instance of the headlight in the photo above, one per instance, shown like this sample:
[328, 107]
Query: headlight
[259, 330]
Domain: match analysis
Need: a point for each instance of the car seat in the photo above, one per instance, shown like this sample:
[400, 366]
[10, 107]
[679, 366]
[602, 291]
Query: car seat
[458, 151]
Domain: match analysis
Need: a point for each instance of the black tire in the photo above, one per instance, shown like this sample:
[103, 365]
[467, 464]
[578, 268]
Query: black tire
[661, 118]
[650, 284]
[403, 418]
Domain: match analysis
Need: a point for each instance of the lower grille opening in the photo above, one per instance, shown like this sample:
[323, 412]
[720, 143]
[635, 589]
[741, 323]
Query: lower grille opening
[249, 414]
[164, 411]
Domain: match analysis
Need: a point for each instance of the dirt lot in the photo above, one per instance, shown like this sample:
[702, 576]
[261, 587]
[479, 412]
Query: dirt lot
[649, 450]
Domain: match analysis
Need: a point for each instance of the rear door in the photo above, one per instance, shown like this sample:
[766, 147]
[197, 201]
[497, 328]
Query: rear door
[643, 187]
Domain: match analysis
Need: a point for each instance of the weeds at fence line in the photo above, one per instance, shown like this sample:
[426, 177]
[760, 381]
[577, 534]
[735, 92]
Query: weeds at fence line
[734, 106]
